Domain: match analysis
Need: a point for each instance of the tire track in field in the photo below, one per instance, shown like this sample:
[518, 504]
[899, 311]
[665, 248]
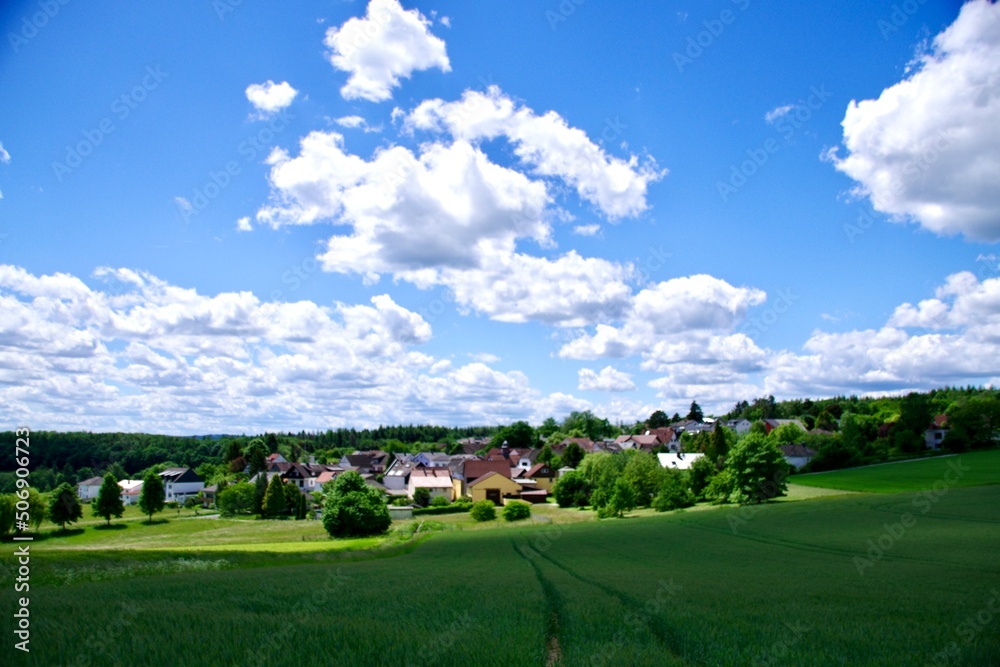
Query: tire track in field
[553, 607]
[664, 633]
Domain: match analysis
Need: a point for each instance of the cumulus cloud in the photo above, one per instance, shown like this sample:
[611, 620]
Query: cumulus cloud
[547, 144]
[387, 45]
[4, 155]
[608, 379]
[928, 148]
[138, 353]
[587, 230]
[356, 123]
[950, 339]
[243, 225]
[270, 97]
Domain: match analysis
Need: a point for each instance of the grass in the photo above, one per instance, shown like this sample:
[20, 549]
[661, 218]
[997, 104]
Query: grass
[777, 584]
[964, 470]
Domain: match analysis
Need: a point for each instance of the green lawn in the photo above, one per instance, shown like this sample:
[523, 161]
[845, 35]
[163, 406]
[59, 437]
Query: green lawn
[963, 470]
[778, 584]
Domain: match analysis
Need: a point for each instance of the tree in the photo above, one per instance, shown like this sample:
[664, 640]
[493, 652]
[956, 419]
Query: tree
[700, 475]
[483, 510]
[118, 471]
[548, 427]
[976, 419]
[65, 507]
[787, 434]
[152, 497]
[516, 510]
[274, 498]
[572, 490]
[238, 498]
[36, 507]
[8, 512]
[255, 454]
[354, 509]
[621, 501]
[825, 421]
[260, 489]
[695, 412]
[422, 496]
[758, 470]
[644, 472]
[658, 419]
[233, 451]
[518, 435]
[573, 455]
[673, 493]
[546, 456]
[109, 499]
[718, 448]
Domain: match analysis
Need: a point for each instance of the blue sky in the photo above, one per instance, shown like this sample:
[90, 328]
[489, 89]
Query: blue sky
[247, 216]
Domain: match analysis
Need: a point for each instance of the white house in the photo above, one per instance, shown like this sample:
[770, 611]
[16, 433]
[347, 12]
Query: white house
[741, 426]
[436, 480]
[131, 488]
[89, 488]
[797, 455]
[678, 460]
[179, 484]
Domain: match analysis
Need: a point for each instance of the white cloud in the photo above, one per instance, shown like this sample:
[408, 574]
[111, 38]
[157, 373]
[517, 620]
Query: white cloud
[387, 45]
[142, 354]
[587, 230]
[484, 357]
[243, 225]
[270, 97]
[4, 155]
[928, 149]
[778, 112]
[548, 144]
[608, 379]
[356, 123]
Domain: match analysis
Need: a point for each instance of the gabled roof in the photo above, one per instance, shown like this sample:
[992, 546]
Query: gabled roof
[180, 475]
[797, 451]
[93, 481]
[359, 460]
[476, 469]
[491, 475]
[537, 470]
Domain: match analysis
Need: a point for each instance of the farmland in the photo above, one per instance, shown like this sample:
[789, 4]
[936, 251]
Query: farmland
[977, 468]
[778, 584]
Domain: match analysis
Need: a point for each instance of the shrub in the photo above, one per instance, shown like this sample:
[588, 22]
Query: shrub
[422, 496]
[572, 490]
[484, 510]
[354, 509]
[673, 494]
[439, 501]
[516, 510]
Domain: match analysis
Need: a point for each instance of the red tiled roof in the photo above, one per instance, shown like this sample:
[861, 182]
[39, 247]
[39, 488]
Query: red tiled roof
[477, 469]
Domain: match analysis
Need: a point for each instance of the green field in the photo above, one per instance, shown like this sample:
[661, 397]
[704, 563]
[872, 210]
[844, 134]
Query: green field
[778, 584]
[964, 470]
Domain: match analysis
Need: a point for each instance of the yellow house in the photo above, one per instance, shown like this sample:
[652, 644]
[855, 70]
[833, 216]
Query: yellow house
[544, 476]
[494, 486]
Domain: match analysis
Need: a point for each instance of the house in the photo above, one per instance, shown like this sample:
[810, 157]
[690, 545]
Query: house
[208, 495]
[771, 424]
[397, 475]
[562, 471]
[276, 458]
[644, 443]
[131, 488]
[179, 484]
[362, 463]
[542, 474]
[89, 488]
[797, 455]
[678, 460]
[741, 426]
[586, 444]
[471, 470]
[933, 437]
[377, 460]
[494, 487]
[433, 459]
[436, 480]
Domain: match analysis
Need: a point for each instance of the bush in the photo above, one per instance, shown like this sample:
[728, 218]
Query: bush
[422, 496]
[449, 509]
[674, 493]
[700, 476]
[354, 509]
[172, 504]
[439, 501]
[484, 510]
[516, 510]
[572, 490]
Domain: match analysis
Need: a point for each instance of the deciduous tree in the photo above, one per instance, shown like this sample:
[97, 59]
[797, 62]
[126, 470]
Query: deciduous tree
[109, 499]
[152, 496]
[65, 507]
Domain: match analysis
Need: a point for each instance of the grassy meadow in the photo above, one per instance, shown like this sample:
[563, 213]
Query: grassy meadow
[829, 580]
[962, 470]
